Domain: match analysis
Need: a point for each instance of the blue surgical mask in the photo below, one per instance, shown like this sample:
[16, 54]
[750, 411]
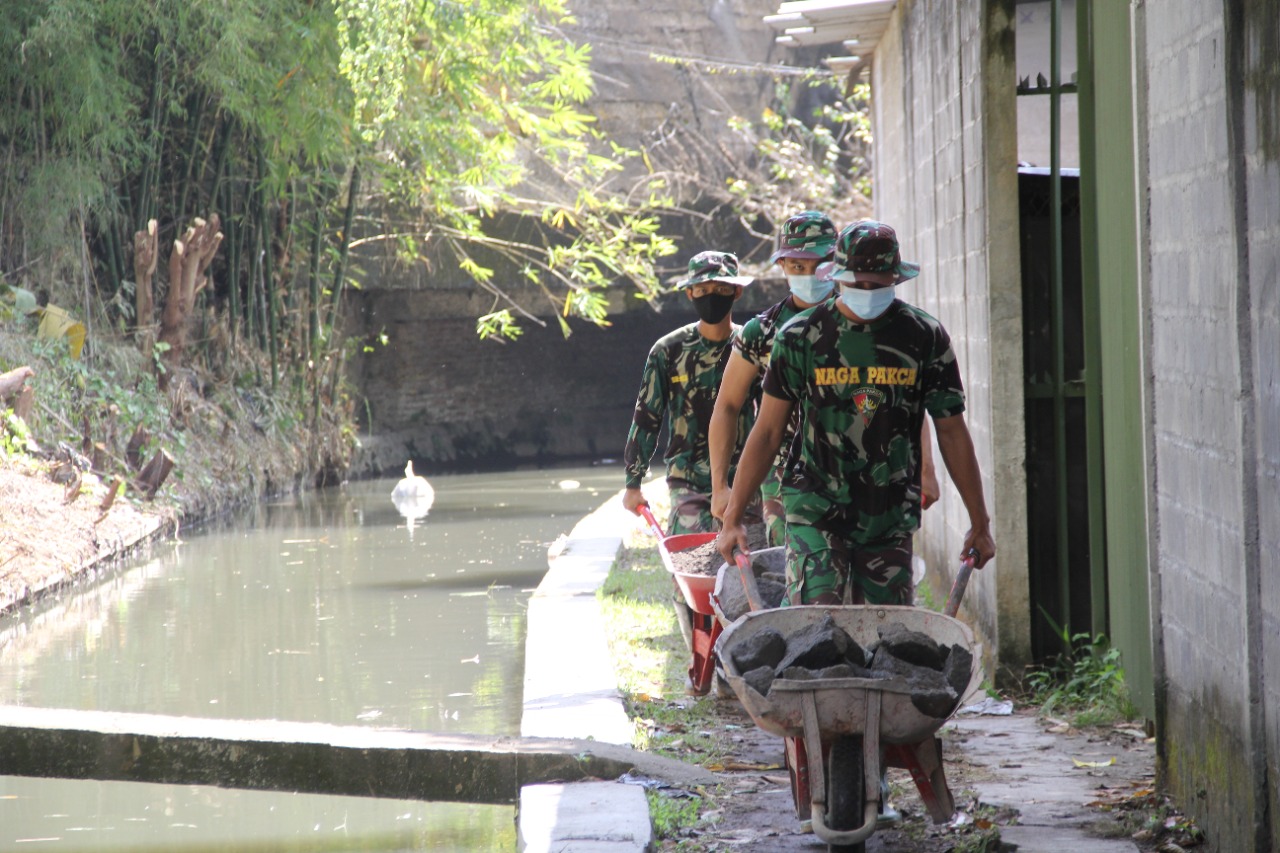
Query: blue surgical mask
[808, 288]
[867, 304]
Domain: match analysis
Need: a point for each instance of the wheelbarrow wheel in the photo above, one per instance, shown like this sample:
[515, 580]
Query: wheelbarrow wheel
[846, 790]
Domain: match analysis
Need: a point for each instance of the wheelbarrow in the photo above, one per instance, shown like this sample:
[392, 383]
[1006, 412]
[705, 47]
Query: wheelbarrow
[696, 590]
[850, 723]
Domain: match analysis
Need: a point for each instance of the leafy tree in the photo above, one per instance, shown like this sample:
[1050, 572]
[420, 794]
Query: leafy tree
[329, 139]
[438, 121]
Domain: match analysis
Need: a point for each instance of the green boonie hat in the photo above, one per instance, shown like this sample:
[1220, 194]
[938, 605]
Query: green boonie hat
[809, 234]
[868, 251]
[714, 266]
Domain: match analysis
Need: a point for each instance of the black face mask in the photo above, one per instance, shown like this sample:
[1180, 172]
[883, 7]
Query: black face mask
[713, 307]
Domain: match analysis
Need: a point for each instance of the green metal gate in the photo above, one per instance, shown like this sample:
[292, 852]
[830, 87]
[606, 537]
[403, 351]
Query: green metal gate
[1087, 529]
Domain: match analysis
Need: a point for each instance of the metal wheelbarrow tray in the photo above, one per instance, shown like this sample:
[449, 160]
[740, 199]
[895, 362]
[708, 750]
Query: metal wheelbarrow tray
[850, 719]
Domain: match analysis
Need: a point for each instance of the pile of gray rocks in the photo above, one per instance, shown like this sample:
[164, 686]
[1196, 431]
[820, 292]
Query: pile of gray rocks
[937, 674]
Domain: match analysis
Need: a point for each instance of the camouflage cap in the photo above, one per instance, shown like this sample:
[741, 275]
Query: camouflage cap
[809, 234]
[714, 266]
[868, 251]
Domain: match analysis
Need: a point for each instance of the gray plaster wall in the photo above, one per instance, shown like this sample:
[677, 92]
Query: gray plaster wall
[716, 43]
[1207, 89]
[946, 179]
[437, 394]
[1213, 190]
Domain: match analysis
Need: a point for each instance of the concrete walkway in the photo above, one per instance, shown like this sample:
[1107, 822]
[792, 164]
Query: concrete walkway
[1049, 779]
[571, 691]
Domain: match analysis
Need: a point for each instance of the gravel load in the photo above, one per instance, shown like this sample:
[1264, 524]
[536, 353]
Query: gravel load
[769, 567]
[704, 559]
[937, 674]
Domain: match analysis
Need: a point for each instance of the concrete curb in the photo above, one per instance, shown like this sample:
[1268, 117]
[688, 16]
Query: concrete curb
[570, 690]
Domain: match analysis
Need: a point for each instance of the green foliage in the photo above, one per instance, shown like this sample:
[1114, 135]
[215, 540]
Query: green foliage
[450, 126]
[158, 349]
[1086, 682]
[807, 161]
[636, 603]
[924, 597]
[110, 398]
[498, 324]
[672, 814]
[15, 437]
[415, 69]
[684, 729]
[980, 841]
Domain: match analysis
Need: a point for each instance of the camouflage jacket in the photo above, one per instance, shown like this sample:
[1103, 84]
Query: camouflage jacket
[681, 377]
[863, 391]
[754, 344]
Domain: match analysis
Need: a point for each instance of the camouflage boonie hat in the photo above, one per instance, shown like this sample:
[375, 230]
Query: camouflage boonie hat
[714, 266]
[868, 251]
[809, 234]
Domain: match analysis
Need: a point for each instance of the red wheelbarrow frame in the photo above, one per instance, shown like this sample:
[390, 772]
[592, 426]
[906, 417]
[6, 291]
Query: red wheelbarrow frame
[696, 590]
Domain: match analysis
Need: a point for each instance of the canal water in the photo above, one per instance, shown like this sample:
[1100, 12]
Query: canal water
[330, 607]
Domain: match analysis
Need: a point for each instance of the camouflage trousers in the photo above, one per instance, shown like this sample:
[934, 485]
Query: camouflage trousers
[690, 512]
[827, 568]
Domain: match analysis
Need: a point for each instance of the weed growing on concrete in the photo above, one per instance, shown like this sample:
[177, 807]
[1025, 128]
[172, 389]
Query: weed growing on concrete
[981, 841]
[1085, 683]
[641, 626]
[925, 598]
[671, 815]
[650, 660]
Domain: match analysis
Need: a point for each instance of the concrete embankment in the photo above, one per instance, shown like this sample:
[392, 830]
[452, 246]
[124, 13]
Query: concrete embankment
[571, 690]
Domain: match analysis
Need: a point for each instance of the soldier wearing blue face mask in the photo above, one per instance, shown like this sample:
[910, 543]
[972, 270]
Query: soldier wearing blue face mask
[805, 240]
[863, 369]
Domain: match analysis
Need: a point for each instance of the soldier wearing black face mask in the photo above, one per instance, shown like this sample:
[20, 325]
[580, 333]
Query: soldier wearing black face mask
[681, 377]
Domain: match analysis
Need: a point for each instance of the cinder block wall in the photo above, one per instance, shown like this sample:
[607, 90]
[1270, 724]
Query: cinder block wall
[946, 178]
[1213, 186]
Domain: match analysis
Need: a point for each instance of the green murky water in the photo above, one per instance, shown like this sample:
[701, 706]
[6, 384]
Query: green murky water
[333, 607]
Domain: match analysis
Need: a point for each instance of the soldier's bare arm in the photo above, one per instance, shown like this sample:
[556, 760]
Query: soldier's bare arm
[757, 458]
[722, 435]
[956, 446]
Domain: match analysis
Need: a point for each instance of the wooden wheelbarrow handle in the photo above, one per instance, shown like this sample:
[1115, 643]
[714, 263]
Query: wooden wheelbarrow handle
[748, 580]
[962, 581]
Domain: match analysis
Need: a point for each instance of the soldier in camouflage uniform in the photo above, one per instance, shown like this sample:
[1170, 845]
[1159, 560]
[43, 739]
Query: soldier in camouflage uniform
[805, 240]
[864, 369]
[681, 376]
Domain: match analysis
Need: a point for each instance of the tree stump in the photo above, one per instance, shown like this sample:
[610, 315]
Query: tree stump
[188, 262]
[155, 472]
[113, 489]
[146, 250]
[14, 382]
[137, 441]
